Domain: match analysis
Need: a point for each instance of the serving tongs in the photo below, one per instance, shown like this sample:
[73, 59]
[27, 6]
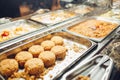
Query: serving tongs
[98, 62]
[102, 61]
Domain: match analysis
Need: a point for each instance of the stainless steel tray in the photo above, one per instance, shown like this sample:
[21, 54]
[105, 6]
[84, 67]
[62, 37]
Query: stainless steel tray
[82, 9]
[70, 41]
[54, 17]
[102, 73]
[18, 28]
[94, 18]
[112, 14]
[5, 20]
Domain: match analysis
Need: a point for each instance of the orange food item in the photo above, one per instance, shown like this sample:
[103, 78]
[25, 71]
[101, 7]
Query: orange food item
[94, 28]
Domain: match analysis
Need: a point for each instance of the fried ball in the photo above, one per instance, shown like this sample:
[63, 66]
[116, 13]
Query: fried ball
[47, 45]
[48, 58]
[59, 51]
[57, 40]
[34, 66]
[22, 57]
[36, 50]
[8, 67]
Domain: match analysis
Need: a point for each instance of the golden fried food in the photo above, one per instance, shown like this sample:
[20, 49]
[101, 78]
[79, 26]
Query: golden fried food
[57, 40]
[34, 66]
[22, 57]
[83, 78]
[47, 45]
[94, 28]
[48, 58]
[36, 50]
[59, 51]
[8, 67]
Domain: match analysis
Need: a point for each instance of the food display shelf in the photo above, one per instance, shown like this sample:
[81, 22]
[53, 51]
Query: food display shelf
[10, 48]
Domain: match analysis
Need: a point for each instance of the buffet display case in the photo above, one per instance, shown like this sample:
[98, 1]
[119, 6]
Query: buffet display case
[80, 38]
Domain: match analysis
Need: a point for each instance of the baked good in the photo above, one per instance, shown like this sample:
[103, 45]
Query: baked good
[34, 66]
[48, 44]
[48, 58]
[8, 67]
[35, 50]
[22, 57]
[59, 51]
[57, 40]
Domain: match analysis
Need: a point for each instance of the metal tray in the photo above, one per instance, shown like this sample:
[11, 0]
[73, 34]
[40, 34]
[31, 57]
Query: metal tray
[94, 18]
[70, 41]
[112, 14]
[18, 28]
[82, 9]
[102, 73]
[54, 17]
[5, 20]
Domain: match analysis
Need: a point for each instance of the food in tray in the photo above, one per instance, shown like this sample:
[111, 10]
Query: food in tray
[83, 78]
[46, 59]
[36, 54]
[112, 14]
[83, 9]
[54, 17]
[14, 31]
[94, 28]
